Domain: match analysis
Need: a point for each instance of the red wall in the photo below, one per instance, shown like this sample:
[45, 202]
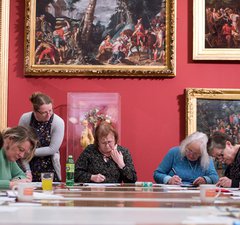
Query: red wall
[153, 111]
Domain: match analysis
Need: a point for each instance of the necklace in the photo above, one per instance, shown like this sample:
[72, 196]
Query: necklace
[106, 158]
[193, 167]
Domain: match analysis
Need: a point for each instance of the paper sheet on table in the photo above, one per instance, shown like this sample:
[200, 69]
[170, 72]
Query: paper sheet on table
[102, 184]
[38, 195]
[16, 204]
[235, 197]
[236, 193]
[184, 191]
[11, 194]
[173, 187]
[6, 199]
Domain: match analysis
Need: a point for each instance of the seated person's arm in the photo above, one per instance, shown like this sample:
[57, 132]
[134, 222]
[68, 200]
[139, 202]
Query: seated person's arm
[81, 173]
[211, 175]
[161, 174]
[57, 135]
[128, 171]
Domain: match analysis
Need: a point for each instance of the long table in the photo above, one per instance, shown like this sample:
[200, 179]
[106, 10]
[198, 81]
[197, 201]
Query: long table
[93, 205]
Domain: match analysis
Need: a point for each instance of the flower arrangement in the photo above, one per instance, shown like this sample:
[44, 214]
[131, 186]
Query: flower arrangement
[95, 116]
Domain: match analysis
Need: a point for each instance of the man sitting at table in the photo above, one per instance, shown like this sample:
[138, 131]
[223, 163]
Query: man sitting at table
[222, 148]
[105, 161]
[187, 164]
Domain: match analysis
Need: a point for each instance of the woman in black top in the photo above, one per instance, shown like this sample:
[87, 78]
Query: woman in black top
[105, 161]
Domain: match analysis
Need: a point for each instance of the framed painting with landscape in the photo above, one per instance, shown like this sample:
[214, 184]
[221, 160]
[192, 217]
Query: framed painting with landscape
[210, 110]
[100, 38]
[216, 30]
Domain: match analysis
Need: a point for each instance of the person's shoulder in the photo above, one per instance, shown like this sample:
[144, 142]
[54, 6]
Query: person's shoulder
[58, 119]
[26, 116]
[174, 150]
[122, 148]
[90, 148]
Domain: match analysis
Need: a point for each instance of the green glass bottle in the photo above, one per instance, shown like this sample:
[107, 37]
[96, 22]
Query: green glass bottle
[70, 167]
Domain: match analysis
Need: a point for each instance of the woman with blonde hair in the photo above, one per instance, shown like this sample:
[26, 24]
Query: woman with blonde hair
[188, 163]
[16, 143]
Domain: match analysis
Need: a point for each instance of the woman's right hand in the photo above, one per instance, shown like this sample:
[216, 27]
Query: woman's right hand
[29, 175]
[175, 180]
[14, 182]
[98, 178]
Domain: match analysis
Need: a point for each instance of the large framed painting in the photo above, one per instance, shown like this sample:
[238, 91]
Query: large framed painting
[216, 30]
[126, 38]
[4, 40]
[210, 110]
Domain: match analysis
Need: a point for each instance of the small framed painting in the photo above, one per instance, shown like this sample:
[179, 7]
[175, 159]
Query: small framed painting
[210, 110]
[216, 30]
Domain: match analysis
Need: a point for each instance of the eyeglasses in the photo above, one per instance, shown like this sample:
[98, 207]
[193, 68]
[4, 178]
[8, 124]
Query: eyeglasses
[49, 112]
[110, 143]
[220, 155]
[191, 152]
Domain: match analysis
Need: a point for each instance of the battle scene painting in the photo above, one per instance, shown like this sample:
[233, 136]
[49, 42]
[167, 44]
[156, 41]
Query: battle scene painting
[100, 33]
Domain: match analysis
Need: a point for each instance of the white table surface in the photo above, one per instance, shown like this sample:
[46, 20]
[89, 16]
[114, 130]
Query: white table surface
[47, 215]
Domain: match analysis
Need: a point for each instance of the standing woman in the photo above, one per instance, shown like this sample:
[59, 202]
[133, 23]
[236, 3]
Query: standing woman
[15, 143]
[49, 128]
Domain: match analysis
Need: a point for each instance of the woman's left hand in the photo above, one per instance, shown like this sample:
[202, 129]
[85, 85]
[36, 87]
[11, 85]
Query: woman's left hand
[199, 180]
[117, 158]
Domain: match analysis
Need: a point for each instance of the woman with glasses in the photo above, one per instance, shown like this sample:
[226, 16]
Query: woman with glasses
[49, 128]
[188, 163]
[14, 144]
[105, 161]
[223, 149]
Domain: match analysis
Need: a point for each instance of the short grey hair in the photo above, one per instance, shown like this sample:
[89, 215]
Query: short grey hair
[202, 139]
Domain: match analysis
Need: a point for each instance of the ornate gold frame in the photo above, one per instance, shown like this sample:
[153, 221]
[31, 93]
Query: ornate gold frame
[4, 40]
[199, 50]
[33, 69]
[193, 94]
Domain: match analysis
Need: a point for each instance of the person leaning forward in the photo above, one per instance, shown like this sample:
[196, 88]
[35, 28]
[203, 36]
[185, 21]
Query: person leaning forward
[223, 149]
[49, 128]
[188, 163]
[17, 142]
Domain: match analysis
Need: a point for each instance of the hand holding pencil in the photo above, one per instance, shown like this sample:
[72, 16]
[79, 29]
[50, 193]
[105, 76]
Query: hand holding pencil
[175, 179]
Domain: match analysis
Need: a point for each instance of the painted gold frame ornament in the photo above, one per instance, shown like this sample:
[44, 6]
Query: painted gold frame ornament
[77, 51]
[216, 104]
